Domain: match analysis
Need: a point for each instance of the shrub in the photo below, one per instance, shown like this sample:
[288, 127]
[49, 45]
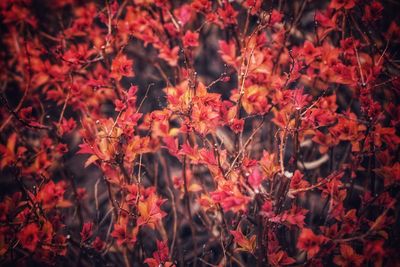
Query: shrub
[219, 133]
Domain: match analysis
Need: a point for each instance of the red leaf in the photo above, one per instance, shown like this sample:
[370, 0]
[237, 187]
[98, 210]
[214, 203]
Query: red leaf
[87, 231]
[255, 178]
[310, 242]
[191, 39]
[28, 236]
[227, 50]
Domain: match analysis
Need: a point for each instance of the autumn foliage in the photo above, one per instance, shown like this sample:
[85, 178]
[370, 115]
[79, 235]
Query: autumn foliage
[199, 133]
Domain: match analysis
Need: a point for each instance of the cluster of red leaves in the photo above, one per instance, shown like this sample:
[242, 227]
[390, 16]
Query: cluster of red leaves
[287, 154]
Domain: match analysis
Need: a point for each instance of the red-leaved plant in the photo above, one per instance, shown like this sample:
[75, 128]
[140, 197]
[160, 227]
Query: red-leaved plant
[199, 133]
